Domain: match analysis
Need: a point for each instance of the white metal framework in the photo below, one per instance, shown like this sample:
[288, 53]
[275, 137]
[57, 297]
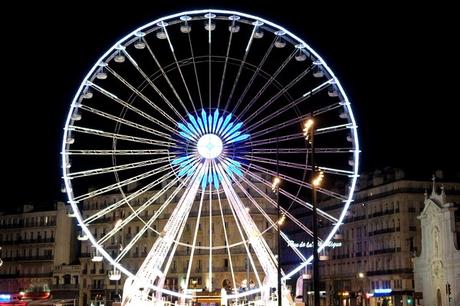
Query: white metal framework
[195, 114]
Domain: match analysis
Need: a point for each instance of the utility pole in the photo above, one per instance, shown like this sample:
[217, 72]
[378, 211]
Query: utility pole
[316, 178]
[281, 218]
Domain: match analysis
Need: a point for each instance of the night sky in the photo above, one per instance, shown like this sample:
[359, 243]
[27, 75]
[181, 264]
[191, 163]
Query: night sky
[394, 62]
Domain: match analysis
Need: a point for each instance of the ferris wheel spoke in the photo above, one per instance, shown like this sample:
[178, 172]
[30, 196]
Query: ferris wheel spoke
[144, 98]
[98, 171]
[292, 246]
[291, 104]
[167, 80]
[229, 44]
[226, 239]
[267, 84]
[128, 198]
[270, 101]
[335, 128]
[127, 220]
[130, 138]
[197, 225]
[195, 70]
[300, 150]
[272, 140]
[149, 223]
[287, 194]
[130, 107]
[126, 122]
[298, 166]
[275, 205]
[296, 120]
[272, 223]
[319, 131]
[209, 70]
[150, 82]
[117, 152]
[240, 69]
[254, 75]
[300, 183]
[179, 69]
[121, 183]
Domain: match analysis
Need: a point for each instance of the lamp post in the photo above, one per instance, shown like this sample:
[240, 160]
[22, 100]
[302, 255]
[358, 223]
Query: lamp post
[361, 278]
[275, 189]
[117, 224]
[317, 176]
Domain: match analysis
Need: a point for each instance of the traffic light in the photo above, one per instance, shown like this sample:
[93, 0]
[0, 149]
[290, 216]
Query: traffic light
[409, 300]
[448, 289]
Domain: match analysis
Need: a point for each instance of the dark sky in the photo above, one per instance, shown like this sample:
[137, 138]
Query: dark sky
[394, 62]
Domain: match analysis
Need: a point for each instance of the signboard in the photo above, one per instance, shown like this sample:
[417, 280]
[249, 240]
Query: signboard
[309, 244]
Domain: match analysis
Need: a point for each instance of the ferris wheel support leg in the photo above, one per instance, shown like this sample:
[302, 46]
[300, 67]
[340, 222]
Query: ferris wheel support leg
[141, 289]
[255, 237]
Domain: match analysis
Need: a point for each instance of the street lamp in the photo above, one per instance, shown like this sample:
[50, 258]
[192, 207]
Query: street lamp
[316, 179]
[361, 276]
[275, 188]
[117, 274]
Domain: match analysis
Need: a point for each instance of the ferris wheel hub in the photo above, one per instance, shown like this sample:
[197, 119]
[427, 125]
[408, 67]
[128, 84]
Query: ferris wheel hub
[210, 146]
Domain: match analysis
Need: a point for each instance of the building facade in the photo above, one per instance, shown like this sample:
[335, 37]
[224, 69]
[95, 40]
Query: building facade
[34, 242]
[437, 268]
[381, 235]
[373, 261]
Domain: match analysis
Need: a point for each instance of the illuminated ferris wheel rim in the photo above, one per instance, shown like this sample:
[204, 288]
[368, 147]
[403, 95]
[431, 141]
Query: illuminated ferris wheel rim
[132, 36]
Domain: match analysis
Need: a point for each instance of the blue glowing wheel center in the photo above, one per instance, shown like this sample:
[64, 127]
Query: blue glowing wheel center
[209, 146]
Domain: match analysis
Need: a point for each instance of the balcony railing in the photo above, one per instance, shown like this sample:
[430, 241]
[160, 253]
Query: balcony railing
[383, 231]
[19, 275]
[65, 286]
[385, 251]
[393, 271]
[67, 268]
[96, 287]
[29, 241]
[21, 224]
[28, 258]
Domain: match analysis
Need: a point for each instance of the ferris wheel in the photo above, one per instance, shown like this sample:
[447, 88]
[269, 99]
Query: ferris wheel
[200, 116]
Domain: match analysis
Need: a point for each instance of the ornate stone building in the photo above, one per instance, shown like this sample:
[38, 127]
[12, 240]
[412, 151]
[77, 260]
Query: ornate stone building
[437, 268]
